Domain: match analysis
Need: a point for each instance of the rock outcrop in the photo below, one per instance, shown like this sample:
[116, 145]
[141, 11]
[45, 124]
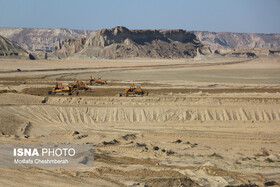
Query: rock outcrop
[10, 50]
[41, 40]
[45, 40]
[222, 40]
[121, 42]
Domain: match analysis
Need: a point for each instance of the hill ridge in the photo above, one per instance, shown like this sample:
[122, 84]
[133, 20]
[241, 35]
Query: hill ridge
[10, 50]
[120, 42]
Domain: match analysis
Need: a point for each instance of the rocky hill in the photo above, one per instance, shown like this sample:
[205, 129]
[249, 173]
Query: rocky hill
[10, 50]
[34, 39]
[221, 40]
[121, 42]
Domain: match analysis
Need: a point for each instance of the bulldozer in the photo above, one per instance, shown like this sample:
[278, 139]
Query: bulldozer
[79, 85]
[60, 89]
[134, 91]
[71, 89]
[98, 81]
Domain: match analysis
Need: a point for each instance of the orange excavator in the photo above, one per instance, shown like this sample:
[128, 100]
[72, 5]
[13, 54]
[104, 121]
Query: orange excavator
[98, 81]
[134, 91]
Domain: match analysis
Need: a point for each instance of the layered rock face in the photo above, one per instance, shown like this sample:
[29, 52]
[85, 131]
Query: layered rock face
[121, 42]
[45, 40]
[10, 50]
[222, 40]
[33, 39]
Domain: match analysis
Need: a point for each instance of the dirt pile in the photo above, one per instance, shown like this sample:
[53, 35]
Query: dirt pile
[10, 50]
[91, 115]
[121, 42]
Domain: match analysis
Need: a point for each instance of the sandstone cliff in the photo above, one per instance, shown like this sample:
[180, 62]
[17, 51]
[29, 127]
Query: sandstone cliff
[34, 39]
[10, 50]
[121, 42]
[222, 40]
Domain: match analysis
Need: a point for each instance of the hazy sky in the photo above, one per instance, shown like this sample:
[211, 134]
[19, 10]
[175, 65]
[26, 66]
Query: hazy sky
[258, 16]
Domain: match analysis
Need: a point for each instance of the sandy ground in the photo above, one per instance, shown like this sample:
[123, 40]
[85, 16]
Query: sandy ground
[206, 122]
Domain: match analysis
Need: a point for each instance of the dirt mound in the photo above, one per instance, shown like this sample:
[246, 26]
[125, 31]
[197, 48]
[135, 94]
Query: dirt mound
[9, 124]
[151, 177]
[129, 137]
[90, 115]
[121, 42]
[10, 50]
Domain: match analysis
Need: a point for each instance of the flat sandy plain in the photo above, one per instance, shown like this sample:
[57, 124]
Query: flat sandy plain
[206, 122]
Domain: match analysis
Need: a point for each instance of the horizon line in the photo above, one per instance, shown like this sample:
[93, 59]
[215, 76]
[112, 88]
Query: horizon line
[139, 29]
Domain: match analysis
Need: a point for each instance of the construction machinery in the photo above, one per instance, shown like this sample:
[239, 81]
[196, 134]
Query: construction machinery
[60, 89]
[71, 89]
[79, 85]
[134, 91]
[96, 81]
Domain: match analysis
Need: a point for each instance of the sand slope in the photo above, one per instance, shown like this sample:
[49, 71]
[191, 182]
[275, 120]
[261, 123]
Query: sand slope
[188, 131]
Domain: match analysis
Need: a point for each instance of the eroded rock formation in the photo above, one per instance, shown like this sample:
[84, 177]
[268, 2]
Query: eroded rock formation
[10, 50]
[121, 42]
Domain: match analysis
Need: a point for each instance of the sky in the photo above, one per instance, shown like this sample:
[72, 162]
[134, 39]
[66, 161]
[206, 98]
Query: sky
[253, 16]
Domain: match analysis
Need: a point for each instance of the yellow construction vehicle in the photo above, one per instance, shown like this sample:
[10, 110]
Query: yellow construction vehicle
[73, 88]
[134, 91]
[79, 85]
[98, 81]
[60, 89]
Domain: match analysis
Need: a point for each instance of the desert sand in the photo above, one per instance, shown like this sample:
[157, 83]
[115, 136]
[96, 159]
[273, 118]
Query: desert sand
[207, 121]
